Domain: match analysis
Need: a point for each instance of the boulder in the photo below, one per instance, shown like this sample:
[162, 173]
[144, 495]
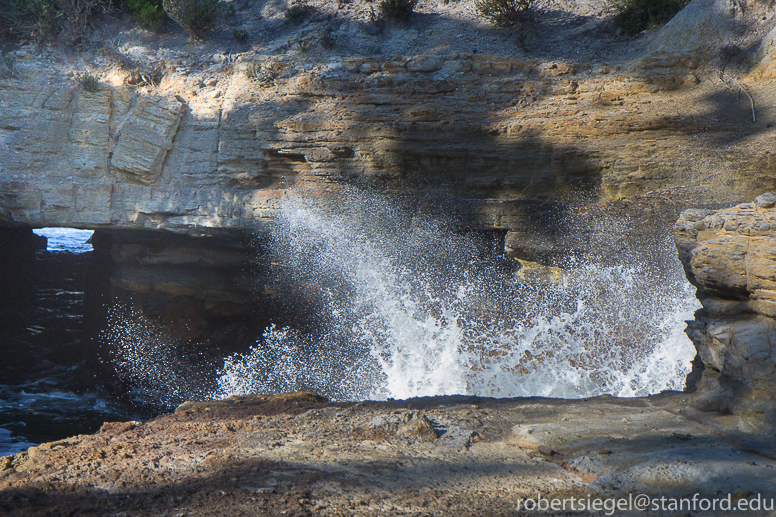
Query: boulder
[697, 32]
[145, 138]
[538, 274]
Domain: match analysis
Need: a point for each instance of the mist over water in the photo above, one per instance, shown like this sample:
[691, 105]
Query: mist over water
[421, 310]
[151, 362]
[413, 307]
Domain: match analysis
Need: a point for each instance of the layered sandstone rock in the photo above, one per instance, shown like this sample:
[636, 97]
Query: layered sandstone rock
[225, 136]
[492, 130]
[145, 137]
[730, 256]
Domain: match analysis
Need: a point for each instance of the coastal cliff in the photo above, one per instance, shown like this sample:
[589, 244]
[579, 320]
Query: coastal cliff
[728, 254]
[222, 136]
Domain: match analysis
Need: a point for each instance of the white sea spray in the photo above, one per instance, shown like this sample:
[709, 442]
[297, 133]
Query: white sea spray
[411, 306]
[419, 314]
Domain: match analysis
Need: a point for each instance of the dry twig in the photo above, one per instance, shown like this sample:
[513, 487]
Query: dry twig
[741, 88]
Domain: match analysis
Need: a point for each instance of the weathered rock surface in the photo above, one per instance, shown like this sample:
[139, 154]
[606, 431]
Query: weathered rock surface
[697, 30]
[766, 57]
[729, 255]
[299, 455]
[219, 147]
[145, 137]
[206, 289]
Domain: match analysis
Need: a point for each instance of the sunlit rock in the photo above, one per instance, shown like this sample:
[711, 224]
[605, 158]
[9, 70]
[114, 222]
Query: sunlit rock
[730, 255]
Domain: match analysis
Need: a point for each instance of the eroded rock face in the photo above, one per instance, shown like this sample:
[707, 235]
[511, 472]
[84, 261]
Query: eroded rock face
[492, 130]
[145, 138]
[730, 255]
[218, 294]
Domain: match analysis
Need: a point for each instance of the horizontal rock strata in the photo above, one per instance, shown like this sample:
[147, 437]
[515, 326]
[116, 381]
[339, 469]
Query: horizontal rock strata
[730, 256]
[489, 129]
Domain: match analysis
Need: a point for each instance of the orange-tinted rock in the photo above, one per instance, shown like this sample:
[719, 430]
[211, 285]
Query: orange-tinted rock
[730, 255]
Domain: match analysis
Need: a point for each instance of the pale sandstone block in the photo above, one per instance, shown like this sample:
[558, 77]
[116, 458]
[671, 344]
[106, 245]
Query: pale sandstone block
[146, 137]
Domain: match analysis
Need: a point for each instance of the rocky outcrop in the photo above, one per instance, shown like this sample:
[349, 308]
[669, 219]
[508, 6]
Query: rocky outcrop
[297, 454]
[219, 292]
[489, 130]
[145, 137]
[729, 255]
[697, 32]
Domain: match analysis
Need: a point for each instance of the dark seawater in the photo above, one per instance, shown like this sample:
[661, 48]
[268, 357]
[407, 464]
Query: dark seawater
[47, 383]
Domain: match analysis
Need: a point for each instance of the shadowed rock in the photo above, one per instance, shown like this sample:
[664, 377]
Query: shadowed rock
[730, 255]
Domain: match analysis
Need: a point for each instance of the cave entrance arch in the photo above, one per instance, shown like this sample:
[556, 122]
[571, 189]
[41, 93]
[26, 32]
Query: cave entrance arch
[50, 283]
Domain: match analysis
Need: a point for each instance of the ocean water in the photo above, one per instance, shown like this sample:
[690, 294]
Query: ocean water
[68, 240]
[48, 409]
[416, 309]
[412, 306]
[47, 388]
[409, 306]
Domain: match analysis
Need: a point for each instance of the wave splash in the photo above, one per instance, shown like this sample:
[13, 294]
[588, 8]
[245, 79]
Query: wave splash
[414, 308]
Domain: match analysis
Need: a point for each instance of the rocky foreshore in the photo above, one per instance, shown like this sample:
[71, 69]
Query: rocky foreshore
[298, 454]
